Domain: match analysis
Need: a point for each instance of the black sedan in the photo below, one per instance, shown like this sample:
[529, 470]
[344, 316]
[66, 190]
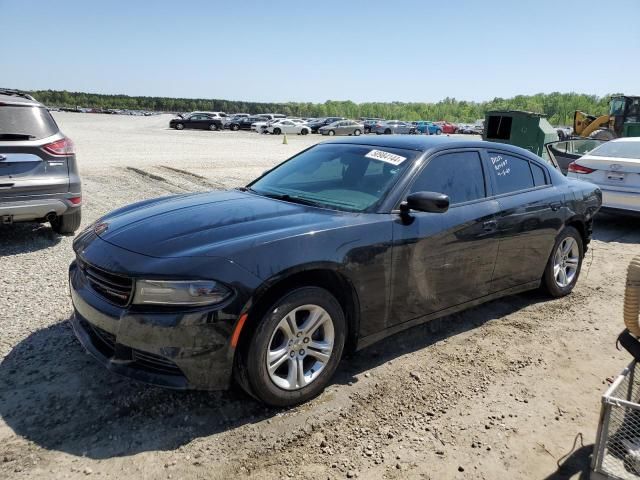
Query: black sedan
[322, 122]
[338, 247]
[199, 121]
[243, 123]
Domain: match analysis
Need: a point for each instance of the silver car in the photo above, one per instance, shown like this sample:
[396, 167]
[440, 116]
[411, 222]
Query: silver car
[614, 166]
[342, 127]
[39, 179]
[393, 126]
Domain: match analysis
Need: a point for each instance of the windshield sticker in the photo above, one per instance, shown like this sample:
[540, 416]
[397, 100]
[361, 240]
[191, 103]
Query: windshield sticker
[387, 157]
[501, 165]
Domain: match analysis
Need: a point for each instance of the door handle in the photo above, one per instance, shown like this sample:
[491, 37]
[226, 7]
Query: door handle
[555, 206]
[490, 225]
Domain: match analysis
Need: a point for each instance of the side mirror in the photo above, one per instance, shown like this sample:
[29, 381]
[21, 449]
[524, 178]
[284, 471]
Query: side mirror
[432, 202]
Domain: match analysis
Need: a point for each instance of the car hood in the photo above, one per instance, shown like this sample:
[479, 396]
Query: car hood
[220, 224]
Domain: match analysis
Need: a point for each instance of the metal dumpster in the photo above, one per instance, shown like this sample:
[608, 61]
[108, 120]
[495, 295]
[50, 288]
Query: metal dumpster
[527, 130]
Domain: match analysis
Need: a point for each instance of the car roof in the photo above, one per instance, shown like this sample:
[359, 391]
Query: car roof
[424, 143]
[626, 139]
[16, 97]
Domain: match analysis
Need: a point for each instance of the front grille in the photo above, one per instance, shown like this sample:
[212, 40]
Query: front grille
[116, 289]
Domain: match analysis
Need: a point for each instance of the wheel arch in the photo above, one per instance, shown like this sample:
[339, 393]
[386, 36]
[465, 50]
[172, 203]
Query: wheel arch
[323, 275]
[583, 226]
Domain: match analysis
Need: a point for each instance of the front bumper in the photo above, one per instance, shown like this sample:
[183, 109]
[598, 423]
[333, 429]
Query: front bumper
[176, 349]
[26, 209]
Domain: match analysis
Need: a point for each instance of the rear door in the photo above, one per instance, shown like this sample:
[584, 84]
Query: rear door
[26, 168]
[528, 220]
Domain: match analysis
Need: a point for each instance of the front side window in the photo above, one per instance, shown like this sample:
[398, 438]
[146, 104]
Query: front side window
[458, 175]
[509, 173]
[338, 176]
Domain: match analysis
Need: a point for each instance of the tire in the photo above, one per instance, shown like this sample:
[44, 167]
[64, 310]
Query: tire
[277, 131]
[213, 127]
[235, 128]
[387, 131]
[556, 287]
[357, 132]
[275, 388]
[304, 131]
[438, 132]
[331, 133]
[602, 134]
[179, 126]
[68, 223]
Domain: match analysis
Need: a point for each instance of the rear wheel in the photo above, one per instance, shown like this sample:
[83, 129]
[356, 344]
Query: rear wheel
[438, 132]
[304, 131]
[357, 132]
[67, 223]
[277, 131]
[564, 264]
[331, 133]
[387, 131]
[213, 127]
[295, 349]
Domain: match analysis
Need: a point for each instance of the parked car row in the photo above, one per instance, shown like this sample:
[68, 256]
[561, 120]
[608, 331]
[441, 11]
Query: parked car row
[277, 123]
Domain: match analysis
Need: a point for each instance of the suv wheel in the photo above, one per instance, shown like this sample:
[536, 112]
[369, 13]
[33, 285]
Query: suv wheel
[67, 223]
[564, 264]
[295, 348]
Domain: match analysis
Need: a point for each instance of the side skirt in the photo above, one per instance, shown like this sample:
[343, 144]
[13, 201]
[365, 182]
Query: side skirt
[371, 339]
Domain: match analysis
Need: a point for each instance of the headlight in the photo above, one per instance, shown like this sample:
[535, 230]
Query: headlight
[196, 292]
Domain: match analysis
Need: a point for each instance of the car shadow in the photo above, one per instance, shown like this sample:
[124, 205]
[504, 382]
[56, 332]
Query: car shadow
[57, 396]
[26, 238]
[616, 228]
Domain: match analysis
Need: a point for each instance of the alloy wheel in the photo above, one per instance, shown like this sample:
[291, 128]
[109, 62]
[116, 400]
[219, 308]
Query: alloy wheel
[566, 261]
[300, 347]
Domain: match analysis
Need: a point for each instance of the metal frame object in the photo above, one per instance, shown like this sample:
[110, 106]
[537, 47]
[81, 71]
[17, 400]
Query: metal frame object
[617, 449]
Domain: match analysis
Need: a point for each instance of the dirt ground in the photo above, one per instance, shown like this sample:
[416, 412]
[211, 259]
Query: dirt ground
[496, 392]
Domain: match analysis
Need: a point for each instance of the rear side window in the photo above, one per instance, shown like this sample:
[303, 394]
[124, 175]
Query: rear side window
[539, 177]
[458, 175]
[510, 174]
[33, 122]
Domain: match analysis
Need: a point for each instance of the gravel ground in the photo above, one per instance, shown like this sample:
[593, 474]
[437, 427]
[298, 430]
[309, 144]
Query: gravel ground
[499, 391]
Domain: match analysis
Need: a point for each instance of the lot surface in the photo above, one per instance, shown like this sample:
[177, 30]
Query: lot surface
[499, 391]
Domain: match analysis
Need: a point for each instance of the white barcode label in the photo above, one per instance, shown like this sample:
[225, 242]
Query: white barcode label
[387, 157]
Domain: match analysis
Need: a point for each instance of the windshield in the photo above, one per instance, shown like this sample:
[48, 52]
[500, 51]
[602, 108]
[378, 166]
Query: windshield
[617, 106]
[620, 149]
[31, 122]
[338, 176]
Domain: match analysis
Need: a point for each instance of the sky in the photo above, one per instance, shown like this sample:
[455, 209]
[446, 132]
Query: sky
[313, 51]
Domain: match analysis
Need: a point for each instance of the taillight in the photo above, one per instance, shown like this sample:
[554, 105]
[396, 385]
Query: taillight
[577, 168]
[61, 147]
[75, 200]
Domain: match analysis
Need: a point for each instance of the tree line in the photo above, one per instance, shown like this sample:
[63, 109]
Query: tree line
[558, 107]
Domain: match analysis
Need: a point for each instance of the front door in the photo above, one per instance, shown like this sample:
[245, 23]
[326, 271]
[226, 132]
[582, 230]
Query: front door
[445, 259]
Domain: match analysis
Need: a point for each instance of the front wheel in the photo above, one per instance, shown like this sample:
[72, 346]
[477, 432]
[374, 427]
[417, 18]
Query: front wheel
[387, 131]
[295, 349]
[564, 264]
[331, 133]
[304, 131]
[235, 128]
[179, 126]
[276, 131]
[438, 132]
